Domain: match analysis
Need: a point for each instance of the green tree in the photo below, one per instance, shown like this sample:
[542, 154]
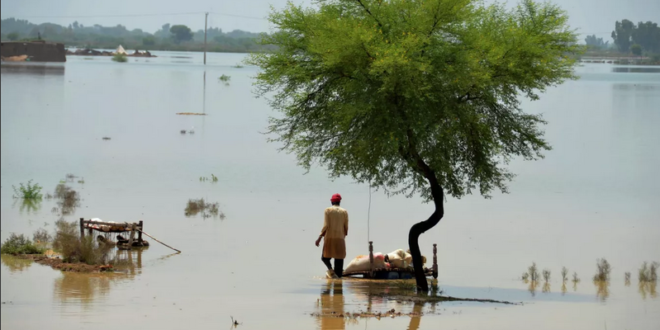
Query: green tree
[636, 50]
[622, 35]
[13, 36]
[595, 43]
[181, 33]
[414, 97]
[647, 35]
[149, 41]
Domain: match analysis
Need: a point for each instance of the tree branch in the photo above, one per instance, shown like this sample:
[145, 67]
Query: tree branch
[369, 12]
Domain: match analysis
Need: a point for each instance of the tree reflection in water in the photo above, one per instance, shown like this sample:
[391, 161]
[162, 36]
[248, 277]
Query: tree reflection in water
[84, 288]
[331, 313]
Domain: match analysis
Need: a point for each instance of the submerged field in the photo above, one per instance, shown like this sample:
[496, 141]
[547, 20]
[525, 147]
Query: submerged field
[593, 196]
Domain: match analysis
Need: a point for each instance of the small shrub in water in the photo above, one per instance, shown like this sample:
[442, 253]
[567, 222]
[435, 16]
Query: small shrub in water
[564, 274]
[120, 58]
[225, 78]
[576, 279]
[68, 199]
[28, 191]
[76, 249]
[533, 272]
[546, 275]
[525, 277]
[649, 272]
[603, 270]
[19, 244]
[197, 206]
[627, 275]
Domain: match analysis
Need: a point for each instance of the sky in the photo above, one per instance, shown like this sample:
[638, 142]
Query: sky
[588, 16]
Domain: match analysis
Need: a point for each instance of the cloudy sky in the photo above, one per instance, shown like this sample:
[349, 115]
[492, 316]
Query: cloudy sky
[589, 16]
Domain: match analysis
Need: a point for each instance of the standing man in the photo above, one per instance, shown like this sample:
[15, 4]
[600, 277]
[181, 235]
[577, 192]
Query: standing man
[335, 229]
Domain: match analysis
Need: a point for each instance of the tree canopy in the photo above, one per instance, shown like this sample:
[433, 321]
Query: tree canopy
[181, 33]
[373, 89]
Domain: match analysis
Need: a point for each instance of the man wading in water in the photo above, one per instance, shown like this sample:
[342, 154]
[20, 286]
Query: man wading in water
[335, 229]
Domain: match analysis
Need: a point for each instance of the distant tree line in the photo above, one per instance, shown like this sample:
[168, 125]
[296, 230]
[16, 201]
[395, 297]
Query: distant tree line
[169, 37]
[643, 37]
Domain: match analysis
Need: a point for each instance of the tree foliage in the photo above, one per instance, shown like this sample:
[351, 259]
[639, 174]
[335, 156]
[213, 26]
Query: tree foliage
[636, 50]
[622, 34]
[397, 93]
[596, 43]
[646, 35]
[97, 36]
[181, 33]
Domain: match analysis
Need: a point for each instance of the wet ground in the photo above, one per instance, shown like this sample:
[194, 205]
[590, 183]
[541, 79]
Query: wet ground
[593, 196]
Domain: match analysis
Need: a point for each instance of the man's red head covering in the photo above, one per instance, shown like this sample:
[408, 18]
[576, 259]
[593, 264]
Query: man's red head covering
[336, 198]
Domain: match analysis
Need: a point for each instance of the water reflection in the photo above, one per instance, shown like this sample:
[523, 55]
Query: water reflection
[331, 313]
[37, 69]
[648, 289]
[331, 305]
[15, 264]
[532, 287]
[636, 69]
[546, 287]
[28, 206]
[602, 290]
[84, 288]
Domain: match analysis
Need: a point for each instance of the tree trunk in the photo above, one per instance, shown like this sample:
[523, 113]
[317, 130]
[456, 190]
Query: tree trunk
[419, 228]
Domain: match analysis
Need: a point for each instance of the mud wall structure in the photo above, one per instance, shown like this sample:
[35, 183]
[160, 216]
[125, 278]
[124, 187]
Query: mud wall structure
[37, 51]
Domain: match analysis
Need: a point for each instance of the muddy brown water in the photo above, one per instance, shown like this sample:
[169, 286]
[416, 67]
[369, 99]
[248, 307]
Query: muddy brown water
[594, 195]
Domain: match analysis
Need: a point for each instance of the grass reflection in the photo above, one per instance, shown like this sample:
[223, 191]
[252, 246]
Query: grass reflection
[648, 289]
[602, 290]
[84, 288]
[15, 264]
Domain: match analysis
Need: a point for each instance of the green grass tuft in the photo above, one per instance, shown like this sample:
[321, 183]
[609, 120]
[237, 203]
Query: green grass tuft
[28, 191]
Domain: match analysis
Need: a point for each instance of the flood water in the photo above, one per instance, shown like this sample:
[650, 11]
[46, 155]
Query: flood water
[595, 195]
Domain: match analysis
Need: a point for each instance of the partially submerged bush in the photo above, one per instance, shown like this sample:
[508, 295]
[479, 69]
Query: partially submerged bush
[74, 249]
[649, 272]
[28, 191]
[120, 58]
[533, 273]
[564, 274]
[576, 279]
[603, 270]
[68, 199]
[19, 244]
[196, 206]
[546, 275]
[627, 276]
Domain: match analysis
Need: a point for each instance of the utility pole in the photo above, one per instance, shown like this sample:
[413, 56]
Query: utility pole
[206, 19]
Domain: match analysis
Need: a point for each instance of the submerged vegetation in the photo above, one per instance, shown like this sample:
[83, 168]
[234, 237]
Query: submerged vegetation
[74, 249]
[19, 244]
[546, 275]
[120, 58]
[603, 270]
[649, 272]
[212, 179]
[532, 273]
[564, 274]
[197, 206]
[67, 198]
[28, 191]
[225, 79]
